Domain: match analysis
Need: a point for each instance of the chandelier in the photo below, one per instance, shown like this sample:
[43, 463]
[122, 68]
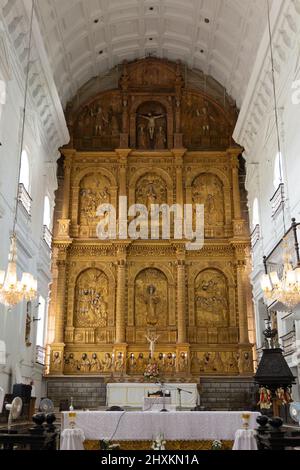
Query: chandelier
[12, 291]
[285, 290]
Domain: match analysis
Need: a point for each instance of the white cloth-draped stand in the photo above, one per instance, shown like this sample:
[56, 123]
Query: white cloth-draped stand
[245, 440]
[72, 439]
[142, 426]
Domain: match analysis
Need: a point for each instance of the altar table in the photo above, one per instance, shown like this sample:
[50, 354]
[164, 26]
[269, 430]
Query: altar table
[143, 426]
[133, 394]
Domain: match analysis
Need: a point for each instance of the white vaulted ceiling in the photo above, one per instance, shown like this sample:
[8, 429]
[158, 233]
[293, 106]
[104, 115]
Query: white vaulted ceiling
[85, 38]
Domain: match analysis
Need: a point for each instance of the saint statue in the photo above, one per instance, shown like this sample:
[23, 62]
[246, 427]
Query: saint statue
[152, 122]
[152, 339]
[151, 300]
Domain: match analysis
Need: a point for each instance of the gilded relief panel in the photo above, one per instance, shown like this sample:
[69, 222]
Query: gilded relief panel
[151, 299]
[94, 191]
[211, 300]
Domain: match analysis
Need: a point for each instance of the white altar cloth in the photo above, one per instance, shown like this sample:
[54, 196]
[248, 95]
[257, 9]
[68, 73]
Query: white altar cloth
[133, 394]
[143, 426]
[245, 440]
[72, 439]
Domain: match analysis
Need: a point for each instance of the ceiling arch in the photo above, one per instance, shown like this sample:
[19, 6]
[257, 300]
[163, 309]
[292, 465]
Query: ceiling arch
[87, 38]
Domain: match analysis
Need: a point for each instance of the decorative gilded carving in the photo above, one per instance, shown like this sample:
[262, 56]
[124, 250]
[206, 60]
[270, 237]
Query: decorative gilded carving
[91, 300]
[107, 295]
[211, 299]
[151, 298]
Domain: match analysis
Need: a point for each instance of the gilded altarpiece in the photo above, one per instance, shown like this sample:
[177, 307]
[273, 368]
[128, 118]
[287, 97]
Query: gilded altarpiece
[156, 141]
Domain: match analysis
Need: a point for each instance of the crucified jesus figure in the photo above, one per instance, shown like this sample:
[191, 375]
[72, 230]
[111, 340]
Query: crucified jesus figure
[152, 339]
[152, 122]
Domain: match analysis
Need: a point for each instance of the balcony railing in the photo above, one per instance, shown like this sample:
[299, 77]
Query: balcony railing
[47, 236]
[40, 356]
[255, 236]
[289, 343]
[278, 200]
[24, 198]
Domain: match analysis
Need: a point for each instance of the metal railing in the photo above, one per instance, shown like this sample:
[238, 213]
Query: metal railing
[24, 198]
[47, 236]
[278, 200]
[255, 236]
[289, 343]
[40, 356]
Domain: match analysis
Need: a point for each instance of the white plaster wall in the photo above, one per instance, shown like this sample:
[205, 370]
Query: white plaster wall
[33, 254]
[256, 132]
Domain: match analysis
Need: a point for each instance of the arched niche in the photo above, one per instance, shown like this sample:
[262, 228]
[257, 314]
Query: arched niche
[151, 299]
[208, 190]
[92, 187]
[160, 179]
[211, 299]
[158, 103]
[91, 299]
[151, 126]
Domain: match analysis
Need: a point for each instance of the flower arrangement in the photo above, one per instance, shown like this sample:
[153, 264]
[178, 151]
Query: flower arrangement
[284, 396]
[217, 445]
[151, 371]
[159, 443]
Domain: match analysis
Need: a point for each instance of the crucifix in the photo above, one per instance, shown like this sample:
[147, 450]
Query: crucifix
[151, 118]
[152, 339]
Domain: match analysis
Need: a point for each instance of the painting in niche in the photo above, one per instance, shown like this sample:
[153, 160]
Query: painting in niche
[99, 124]
[207, 189]
[151, 128]
[94, 191]
[91, 300]
[211, 299]
[151, 299]
[203, 124]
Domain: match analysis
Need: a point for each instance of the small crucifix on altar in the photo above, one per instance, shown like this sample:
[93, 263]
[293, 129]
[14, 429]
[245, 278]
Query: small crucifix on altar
[152, 339]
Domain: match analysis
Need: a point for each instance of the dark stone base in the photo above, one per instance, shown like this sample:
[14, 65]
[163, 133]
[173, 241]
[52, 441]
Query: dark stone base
[87, 392]
[228, 393]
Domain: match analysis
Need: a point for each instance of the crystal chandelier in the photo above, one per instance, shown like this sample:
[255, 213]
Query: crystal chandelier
[12, 291]
[285, 290]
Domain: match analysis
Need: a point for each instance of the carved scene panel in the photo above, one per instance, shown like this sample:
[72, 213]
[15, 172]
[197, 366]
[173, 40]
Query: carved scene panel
[211, 302]
[98, 125]
[91, 306]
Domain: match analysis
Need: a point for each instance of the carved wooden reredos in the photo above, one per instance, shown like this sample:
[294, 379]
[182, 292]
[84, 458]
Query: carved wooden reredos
[156, 133]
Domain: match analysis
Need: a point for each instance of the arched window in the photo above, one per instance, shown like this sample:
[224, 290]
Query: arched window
[25, 172]
[2, 94]
[255, 215]
[47, 212]
[278, 170]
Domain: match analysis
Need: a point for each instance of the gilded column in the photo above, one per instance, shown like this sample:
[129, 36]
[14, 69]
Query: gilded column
[64, 222]
[181, 302]
[238, 222]
[242, 301]
[57, 348]
[121, 300]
